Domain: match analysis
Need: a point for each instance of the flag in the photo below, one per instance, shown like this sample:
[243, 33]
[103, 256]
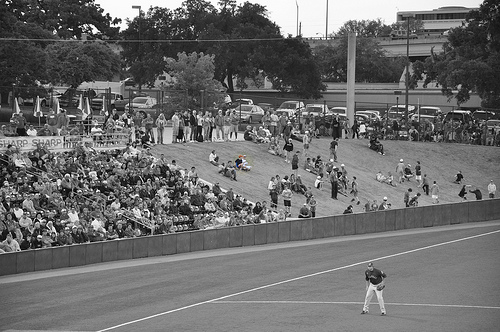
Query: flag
[86, 109]
[80, 103]
[37, 112]
[104, 109]
[17, 110]
[57, 108]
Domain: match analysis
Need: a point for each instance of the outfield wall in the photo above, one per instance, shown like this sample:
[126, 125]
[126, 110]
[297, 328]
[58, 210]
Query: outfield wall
[249, 235]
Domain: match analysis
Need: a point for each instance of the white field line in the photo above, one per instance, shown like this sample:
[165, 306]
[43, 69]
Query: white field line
[295, 279]
[361, 303]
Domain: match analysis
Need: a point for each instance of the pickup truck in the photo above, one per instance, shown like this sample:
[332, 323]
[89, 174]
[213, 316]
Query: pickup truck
[117, 101]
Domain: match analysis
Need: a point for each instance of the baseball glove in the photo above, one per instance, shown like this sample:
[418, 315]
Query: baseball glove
[380, 287]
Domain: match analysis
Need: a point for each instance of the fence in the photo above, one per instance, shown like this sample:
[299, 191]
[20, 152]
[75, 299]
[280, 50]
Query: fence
[249, 235]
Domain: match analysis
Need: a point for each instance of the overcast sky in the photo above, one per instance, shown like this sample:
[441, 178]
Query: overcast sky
[312, 13]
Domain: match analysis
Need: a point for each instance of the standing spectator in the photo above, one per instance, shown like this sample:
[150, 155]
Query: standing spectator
[31, 131]
[175, 126]
[62, 121]
[226, 128]
[273, 127]
[407, 197]
[295, 163]
[161, 123]
[355, 129]
[492, 188]
[148, 125]
[425, 185]
[463, 193]
[287, 200]
[187, 126]
[219, 125]
[199, 127]
[435, 193]
[306, 140]
[235, 120]
[193, 122]
[207, 126]
[334, 144]
[311, 201]
[400, 167]
[418, 174]
[21, 125]
[354, 190]
[334, 180]
[288, 147]
[52, 122]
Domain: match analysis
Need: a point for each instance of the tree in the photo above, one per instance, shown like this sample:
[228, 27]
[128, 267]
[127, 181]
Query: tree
[470, 61]
[67, 19]
[78, 62]
[146, 60]
[195, 73]
[372, 64]
[365, 28]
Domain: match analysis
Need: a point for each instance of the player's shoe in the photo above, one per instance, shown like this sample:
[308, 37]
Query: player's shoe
[383, 314]
[364, 312]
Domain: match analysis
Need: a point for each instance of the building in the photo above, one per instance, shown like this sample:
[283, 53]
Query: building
[437, 21]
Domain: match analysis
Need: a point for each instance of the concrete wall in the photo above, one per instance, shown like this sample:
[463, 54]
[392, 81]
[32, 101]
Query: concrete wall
[249, 235]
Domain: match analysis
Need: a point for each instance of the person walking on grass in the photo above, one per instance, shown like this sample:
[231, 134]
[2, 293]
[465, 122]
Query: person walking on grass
[435, 193]
[287, 200]
[354, 190]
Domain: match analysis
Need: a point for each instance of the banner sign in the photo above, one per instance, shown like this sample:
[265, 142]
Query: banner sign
[62, 143]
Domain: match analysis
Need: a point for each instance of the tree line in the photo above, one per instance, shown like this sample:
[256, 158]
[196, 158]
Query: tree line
[42, 42]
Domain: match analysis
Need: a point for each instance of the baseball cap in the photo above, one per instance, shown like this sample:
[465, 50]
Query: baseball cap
[370, 264]
[400, 160]
[385, 198]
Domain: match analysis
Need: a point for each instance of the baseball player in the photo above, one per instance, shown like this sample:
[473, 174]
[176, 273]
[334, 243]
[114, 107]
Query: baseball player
[374, 284]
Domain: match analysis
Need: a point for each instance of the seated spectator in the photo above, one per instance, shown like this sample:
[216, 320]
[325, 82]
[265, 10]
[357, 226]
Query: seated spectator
[229, 171]
[389, 179]
[213, 158]
[348, 210]
[376, 145]
[408, 174]
[304, 211]
[459, 177]
[31, 131]
[414, 200]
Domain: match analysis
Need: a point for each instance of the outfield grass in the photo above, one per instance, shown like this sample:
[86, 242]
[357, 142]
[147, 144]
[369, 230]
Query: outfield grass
[440, 161]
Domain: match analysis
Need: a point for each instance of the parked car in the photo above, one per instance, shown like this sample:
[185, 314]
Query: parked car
[250, 113]
[397, 112]
[141, 103]
[482, 116]
[115, 99]
[458, 115]
[338, 110]
[362, 118]
[266, 107]
[372, 116]
[316, 110]
[291, 107]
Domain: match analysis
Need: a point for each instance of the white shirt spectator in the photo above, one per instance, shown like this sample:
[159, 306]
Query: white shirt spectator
[31, 131]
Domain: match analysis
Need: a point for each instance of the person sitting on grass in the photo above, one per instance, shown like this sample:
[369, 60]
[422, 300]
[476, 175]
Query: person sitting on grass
[376, 145]
[389, 179]
[407, 172]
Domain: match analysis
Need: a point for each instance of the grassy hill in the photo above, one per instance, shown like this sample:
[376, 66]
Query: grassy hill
[440, 161]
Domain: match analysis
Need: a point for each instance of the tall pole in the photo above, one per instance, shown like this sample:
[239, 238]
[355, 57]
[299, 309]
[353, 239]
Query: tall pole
[407, 76]
[139, 37]
[351, 76]
[326, 26]
[297, 4]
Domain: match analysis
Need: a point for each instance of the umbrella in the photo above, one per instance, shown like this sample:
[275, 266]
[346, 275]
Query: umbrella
[86, 109]
[56, 106]
[104, 109]
[80, 103]
[37, 112]
[17, 110]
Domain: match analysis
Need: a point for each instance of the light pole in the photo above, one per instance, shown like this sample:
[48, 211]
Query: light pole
[326, 25]
[139, 37]
[297, 4]
[407, 76]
